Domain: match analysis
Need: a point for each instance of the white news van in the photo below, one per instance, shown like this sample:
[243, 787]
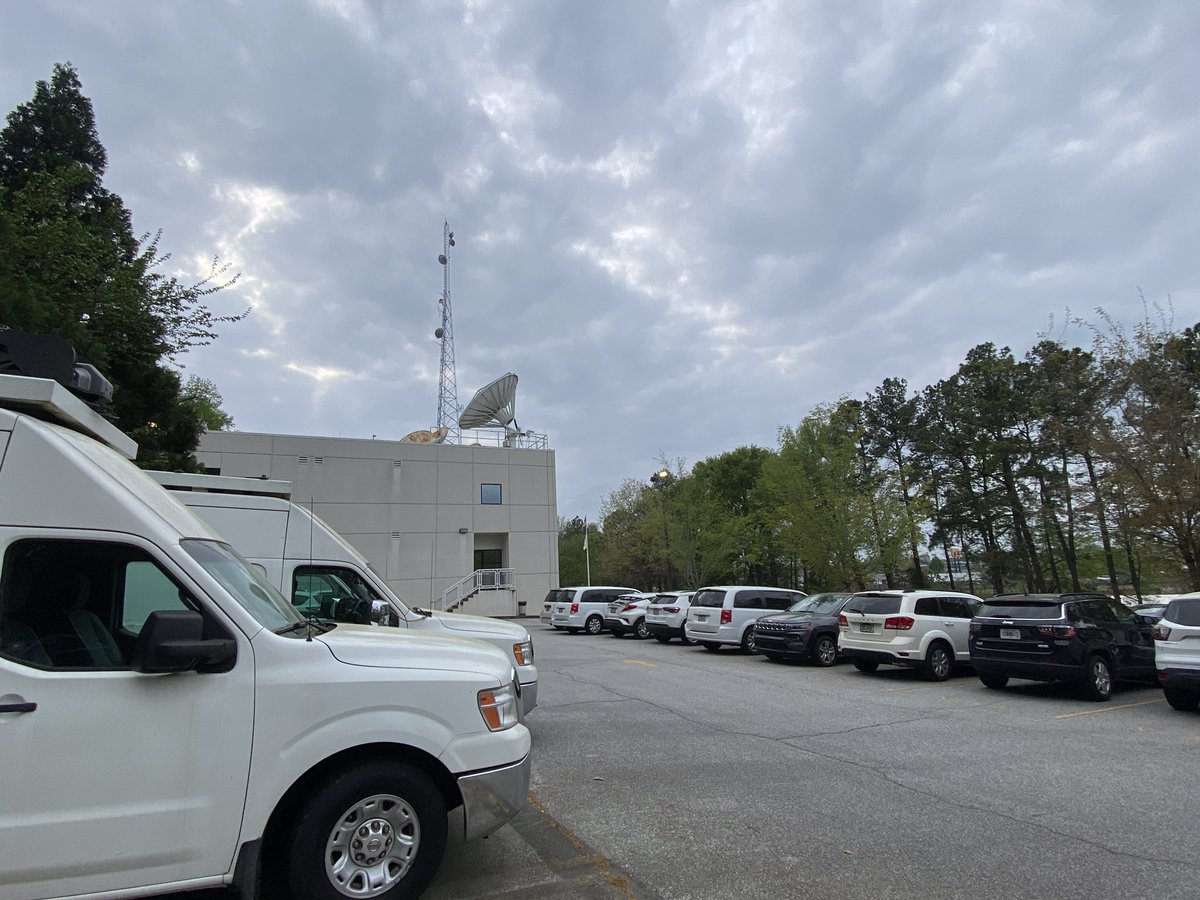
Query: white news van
[321, 572]
[169, 721]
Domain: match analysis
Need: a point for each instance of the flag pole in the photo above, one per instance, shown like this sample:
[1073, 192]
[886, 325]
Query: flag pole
[587, 553]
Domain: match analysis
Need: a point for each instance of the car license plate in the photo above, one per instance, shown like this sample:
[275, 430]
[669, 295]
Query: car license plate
[1010, 634]
[703, 618]
[866, 627]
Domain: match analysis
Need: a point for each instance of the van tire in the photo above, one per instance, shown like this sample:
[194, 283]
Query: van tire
[392, 804]
[748, 640]
[714, 646]
[865, 665]
[663, 638]
[593, 625]
[1185, 701]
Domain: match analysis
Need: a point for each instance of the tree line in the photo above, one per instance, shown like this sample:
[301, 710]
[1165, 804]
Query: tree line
[71, 265]
[1067, 469]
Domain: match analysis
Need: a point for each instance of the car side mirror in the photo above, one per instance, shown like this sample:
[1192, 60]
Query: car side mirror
[173, 641]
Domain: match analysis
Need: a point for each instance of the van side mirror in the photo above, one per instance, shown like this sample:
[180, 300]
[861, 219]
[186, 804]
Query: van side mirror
[173, 641]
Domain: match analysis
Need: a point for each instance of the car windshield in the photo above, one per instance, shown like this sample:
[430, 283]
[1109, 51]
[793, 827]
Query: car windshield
[244, 582]
[819, 603]
[708, 598]
[1184, 612]
[873, 605]
[1021, 609]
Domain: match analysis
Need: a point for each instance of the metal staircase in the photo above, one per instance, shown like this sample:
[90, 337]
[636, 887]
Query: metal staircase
[480, 580]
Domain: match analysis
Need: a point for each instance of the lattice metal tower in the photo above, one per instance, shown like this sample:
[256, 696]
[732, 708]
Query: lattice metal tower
[447, 408]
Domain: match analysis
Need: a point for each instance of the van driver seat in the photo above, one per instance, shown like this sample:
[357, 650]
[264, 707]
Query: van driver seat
[98, 642]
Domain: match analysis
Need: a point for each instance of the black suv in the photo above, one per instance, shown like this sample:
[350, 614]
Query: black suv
[1088, 639]
[807, 630]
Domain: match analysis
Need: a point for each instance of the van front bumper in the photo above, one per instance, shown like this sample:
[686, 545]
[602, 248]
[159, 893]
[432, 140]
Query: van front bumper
[493, 797]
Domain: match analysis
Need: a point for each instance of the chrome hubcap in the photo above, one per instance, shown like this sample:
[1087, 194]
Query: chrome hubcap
[1100, 677]
[941, 662]
[826, 651]
[372, 846]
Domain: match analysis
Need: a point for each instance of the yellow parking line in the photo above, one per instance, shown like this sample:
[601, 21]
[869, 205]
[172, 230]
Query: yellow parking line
[1092, 712]
[639, 662]
[924, 687]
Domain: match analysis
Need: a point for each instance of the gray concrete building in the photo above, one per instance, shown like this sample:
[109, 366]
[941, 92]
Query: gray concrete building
[446, 525]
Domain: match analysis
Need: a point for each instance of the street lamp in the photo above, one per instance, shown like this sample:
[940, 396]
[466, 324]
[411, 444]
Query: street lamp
[661, 479]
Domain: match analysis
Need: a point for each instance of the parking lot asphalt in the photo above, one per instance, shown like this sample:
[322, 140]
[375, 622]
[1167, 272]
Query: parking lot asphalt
[671, 772]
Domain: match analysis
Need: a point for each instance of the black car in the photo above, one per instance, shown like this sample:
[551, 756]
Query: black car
[1088, 639]
[807, 630]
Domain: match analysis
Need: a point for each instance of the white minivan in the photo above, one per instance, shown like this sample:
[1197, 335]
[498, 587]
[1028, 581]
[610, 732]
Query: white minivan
[169, 721]
[584, 608]
[725, 615]
[320, 571]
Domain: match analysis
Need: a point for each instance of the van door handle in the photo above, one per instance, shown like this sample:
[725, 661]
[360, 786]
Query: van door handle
[17, 707]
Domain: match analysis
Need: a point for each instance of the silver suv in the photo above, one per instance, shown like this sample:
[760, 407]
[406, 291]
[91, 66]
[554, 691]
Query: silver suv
[1177, 652]
[926, 630]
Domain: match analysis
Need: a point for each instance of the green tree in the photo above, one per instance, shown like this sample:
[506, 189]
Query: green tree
[201, 396]
[71, 265]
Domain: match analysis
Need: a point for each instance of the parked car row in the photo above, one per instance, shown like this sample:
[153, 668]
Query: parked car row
[1089, 640]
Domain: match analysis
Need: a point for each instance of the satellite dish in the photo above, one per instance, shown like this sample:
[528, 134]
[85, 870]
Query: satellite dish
[438, 332]
[493, 406]
[423, 436]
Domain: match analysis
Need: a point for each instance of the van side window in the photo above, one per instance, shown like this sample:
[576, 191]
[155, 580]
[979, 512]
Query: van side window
[339, 594]
[925, 606]
[747, 600]
[780, 600]
[80, 604]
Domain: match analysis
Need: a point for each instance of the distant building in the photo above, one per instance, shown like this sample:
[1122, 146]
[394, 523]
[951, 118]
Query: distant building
[427, 516]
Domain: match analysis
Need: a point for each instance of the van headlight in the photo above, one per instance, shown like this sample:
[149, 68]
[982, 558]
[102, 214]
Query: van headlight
[523, 652]
[498, 706]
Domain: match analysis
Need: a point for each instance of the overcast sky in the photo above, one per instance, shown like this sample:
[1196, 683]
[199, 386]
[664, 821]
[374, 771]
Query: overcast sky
[682, 224]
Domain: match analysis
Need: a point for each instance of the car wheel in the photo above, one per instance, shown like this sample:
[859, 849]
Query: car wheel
[615, 633]
[663, 638]
[376, 830]
[641, 630]
[825, 651]
[866, 665]
[593, 625]
[687, 641]
[939, 662]
[711, 645]
[1182, 700]
[1097, 683]
[748, 640]
[995, 682]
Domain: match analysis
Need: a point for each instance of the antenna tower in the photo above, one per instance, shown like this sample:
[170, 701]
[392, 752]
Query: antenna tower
[447, 408]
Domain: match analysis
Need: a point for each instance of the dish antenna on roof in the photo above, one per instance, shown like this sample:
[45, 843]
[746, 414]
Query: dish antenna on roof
[493, 406]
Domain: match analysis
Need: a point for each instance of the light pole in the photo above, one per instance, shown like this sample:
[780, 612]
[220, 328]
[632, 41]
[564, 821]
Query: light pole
[661, 479]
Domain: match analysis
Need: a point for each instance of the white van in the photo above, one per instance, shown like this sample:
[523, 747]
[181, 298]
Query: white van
[321, 572]
[584, 608]
[726, 614]
[170, 722]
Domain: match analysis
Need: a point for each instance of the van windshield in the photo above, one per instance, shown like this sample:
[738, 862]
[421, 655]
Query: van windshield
[247, 585]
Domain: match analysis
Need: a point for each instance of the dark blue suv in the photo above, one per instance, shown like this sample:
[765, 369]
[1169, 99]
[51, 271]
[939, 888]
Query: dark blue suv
[1089, 639]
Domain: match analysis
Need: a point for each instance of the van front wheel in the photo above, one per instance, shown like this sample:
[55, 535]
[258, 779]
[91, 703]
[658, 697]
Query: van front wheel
[376, 831]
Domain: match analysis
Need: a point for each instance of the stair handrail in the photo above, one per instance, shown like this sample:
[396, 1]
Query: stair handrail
[479, 580]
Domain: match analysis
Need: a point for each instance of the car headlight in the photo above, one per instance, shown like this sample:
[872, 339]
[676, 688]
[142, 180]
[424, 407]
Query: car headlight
[498, 706]
[523, 652]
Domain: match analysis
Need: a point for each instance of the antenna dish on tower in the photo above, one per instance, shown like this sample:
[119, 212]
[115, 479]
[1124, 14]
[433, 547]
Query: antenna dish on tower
[493, 406]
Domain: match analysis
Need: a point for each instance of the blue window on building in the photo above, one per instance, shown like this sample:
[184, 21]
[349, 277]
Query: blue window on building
[490, 494]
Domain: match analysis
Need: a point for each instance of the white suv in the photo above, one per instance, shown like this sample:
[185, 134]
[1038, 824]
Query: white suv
[921, 629]
[666, 614]
[628, 614]
[726, 614]
[584, 608]
[1177, 652]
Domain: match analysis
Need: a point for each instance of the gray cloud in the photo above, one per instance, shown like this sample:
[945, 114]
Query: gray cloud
[682, 223]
